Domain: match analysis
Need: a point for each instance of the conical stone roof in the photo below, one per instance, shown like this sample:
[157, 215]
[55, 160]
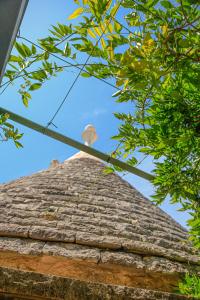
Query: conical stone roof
[74, 222]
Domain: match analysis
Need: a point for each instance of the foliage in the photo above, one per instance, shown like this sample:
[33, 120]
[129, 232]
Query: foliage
[153, 56]
[8, 132]
[190, 286]
[27, 56]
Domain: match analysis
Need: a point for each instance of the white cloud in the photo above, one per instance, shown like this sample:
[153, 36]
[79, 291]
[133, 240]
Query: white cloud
[99, 111]
[94, 114]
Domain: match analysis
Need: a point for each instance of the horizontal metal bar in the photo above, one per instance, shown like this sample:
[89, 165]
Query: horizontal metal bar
[68, 141]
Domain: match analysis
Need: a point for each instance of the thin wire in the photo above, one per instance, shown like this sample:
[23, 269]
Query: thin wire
[101, 79]
[39, 70]
[141, 161]
[5, 87]
[17, 75]
[79, 73]
[67, 62]
[66, 38]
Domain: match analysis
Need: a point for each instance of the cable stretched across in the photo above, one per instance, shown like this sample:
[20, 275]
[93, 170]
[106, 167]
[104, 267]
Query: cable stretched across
[19, 75]
[70, 64]
[54, 55]
[82, 68]
[78, 75]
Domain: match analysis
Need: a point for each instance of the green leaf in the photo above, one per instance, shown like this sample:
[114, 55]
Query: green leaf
[25, 98]
[33, 48]
[67, 50]
[108, 170]
[20, 49]
[76, 13]
[166, 4]
[86, 75]
[39, 75]
[35, 86]
[14, 58]
[25, 101]
[23, 49]
[18, 144]
[27, 50]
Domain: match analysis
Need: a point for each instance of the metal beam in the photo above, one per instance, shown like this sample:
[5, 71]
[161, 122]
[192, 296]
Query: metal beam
[68, 141]
[11, 14]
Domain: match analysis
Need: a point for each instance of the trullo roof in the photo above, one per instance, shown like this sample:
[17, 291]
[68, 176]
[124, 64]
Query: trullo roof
[73, 232]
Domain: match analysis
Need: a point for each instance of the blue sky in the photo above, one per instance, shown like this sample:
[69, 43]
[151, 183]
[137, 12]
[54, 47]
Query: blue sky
[89, 102]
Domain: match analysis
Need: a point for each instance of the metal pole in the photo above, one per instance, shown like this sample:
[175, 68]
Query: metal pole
[11, 15]
[66, 140]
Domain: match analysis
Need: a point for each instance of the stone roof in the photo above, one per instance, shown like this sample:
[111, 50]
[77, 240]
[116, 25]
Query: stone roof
[74, 221]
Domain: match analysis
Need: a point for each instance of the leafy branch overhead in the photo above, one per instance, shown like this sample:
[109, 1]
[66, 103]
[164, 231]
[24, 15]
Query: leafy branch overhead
[151, 50]
[8, 132]
[153, 55]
